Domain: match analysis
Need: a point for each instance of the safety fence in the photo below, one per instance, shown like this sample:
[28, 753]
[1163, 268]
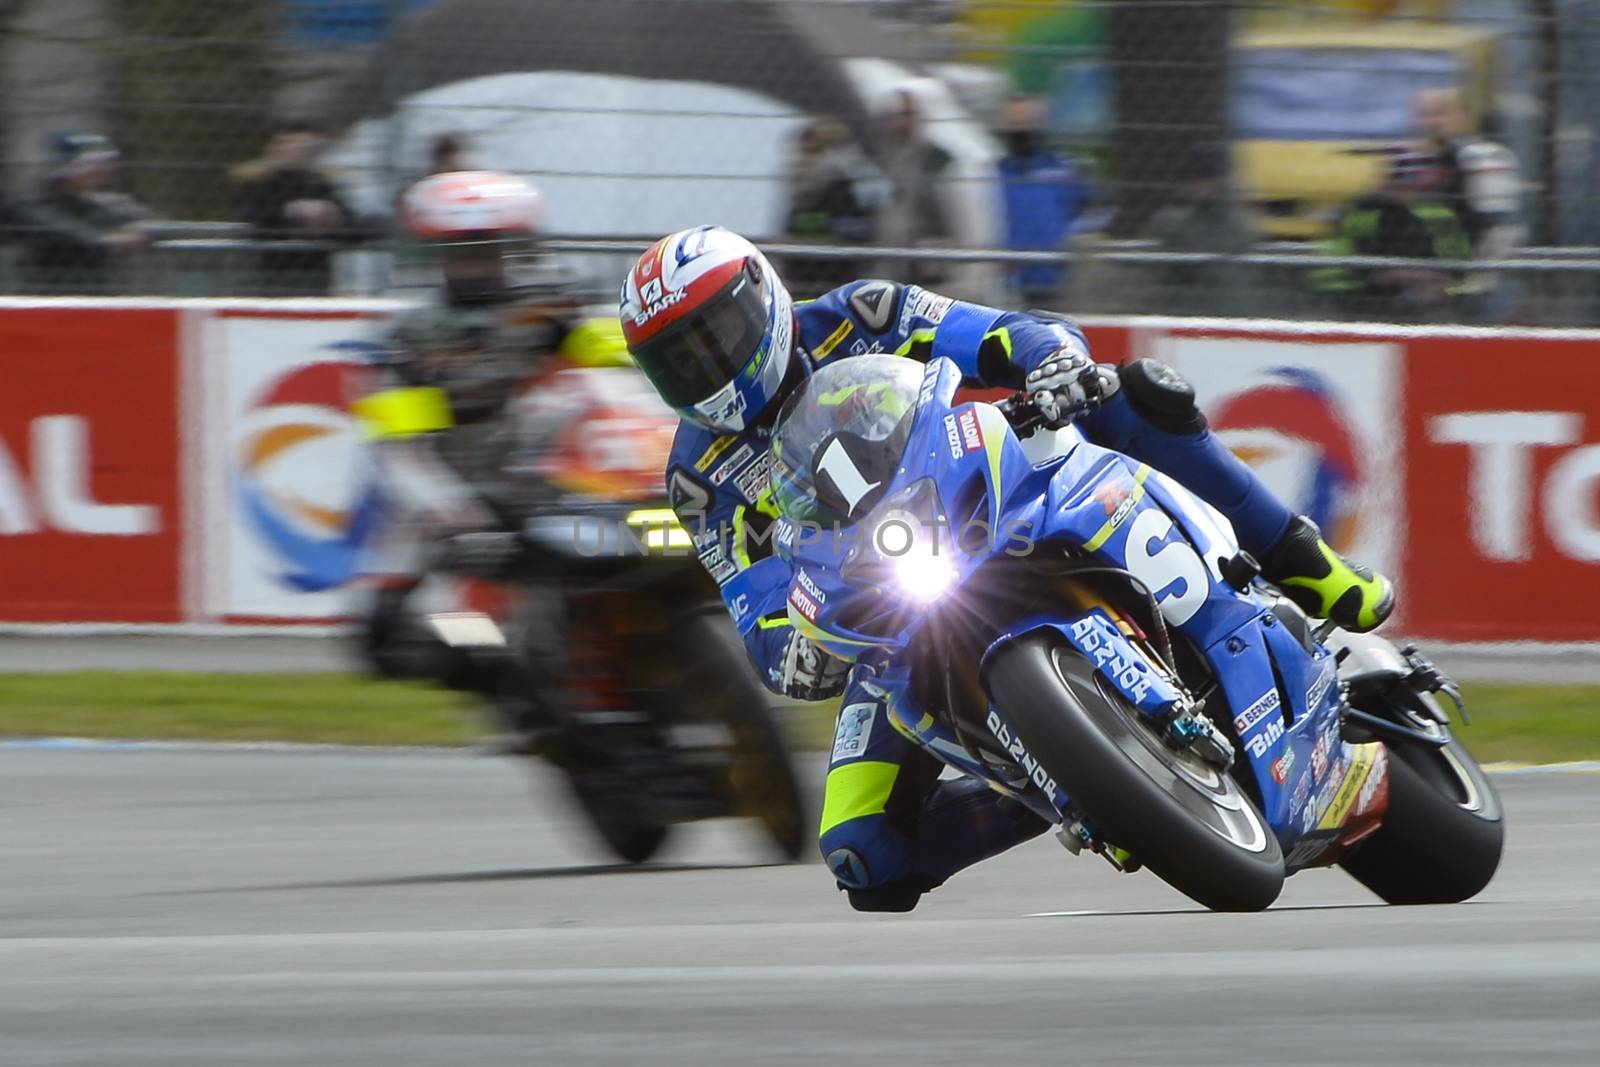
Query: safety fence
[172, 461]
[1535, 286]
[954, 126]
[1538, 286]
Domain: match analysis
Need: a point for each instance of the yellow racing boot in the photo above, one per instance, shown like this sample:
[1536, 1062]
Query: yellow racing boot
[1322, 583]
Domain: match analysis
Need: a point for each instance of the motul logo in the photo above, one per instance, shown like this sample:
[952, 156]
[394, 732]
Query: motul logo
[971, 435]
[58, 495]
[803, 604]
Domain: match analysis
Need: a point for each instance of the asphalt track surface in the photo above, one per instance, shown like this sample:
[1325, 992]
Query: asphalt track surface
[261, 653]
[241, 908]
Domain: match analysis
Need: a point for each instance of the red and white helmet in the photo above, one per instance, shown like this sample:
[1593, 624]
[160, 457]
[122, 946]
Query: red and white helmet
[472, 205]
[710, 324]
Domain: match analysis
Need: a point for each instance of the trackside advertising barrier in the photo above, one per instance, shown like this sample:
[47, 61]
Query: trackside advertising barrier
[183, 461]
[197, 461]
[91, 487]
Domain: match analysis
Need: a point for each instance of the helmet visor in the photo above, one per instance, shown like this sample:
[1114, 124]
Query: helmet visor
[692, 360]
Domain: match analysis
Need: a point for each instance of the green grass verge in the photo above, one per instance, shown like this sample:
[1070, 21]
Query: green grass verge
[1532, 723]
[1537, 724]
[325, 708]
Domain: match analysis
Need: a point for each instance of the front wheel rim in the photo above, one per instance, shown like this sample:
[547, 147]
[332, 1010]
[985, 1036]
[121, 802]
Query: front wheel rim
[1210, 797]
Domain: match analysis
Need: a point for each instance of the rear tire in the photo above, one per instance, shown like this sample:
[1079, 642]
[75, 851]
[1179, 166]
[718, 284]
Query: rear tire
[1139, 794]
[761, 781]
[1441, 838]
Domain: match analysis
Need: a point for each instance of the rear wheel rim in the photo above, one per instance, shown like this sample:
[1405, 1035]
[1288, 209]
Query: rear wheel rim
[1459, 785]
[1206, 794]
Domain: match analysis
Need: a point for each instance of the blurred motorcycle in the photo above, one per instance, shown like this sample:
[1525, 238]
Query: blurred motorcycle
[590, 628]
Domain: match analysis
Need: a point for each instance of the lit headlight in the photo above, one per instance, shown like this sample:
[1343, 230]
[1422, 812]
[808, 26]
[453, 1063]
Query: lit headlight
[907, 546]
[923, 577]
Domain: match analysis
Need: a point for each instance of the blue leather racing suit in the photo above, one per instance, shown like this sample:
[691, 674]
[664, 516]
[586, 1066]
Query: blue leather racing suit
[890, 829]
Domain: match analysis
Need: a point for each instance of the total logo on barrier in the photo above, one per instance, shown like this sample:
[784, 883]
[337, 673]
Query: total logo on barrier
[1503, 488]
[59, 495]
[1292, 432]
[306, 486]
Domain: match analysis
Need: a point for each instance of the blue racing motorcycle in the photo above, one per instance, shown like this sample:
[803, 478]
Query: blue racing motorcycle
[1084, 634]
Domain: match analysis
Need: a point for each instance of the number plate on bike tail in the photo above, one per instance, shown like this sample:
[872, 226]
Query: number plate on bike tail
[1098, 638]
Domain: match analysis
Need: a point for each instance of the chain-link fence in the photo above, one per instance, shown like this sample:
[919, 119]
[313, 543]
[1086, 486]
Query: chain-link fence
[1433, 160]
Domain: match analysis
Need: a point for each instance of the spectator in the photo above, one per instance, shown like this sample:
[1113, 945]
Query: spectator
[1204, 216]
[448, 154]
[78, 229]
[917, 171]
[1479, 181]
[1479, 178]
[1043, 199]
[288, 198]
[1405, 218]
[832, 188]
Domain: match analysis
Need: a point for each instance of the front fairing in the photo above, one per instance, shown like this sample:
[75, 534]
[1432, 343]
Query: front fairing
[987, 501]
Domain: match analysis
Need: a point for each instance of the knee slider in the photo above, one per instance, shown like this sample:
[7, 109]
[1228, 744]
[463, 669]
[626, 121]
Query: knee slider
[1162, 396]
[893, 897]
[850, 868]
[866, 852]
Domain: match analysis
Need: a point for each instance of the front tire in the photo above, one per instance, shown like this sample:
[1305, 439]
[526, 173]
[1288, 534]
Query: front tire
[617, 814]
[761, 781]
[1192, 825]
[1441, 838]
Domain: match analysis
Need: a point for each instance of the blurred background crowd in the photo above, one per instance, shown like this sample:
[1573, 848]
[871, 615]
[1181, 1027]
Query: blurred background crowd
[1391, 160]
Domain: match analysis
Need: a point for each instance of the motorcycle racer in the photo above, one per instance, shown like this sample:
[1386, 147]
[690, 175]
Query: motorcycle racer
[711, 325]
[453, 369]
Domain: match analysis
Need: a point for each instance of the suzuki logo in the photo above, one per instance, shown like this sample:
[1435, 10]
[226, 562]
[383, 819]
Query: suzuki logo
[59, 497]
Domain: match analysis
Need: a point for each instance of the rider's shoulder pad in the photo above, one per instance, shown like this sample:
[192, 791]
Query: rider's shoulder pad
[689, 497]
[873, 303]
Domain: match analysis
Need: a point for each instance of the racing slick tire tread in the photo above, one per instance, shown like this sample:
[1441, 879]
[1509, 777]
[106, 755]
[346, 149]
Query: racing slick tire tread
[1046, 709]
[1430, 849]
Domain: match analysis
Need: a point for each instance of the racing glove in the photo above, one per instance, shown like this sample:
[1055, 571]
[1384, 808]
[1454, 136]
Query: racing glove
[809, 672]
[1068, 384]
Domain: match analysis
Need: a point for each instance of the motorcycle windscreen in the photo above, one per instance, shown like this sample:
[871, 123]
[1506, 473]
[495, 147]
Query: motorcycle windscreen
[841, 436]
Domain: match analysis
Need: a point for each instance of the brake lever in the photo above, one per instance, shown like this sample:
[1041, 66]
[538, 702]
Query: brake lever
[1426, 677]
[1021, 413]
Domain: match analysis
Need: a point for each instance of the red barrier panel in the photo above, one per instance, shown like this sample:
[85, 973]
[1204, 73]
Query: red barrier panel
[90, 518]
[1502, 472]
